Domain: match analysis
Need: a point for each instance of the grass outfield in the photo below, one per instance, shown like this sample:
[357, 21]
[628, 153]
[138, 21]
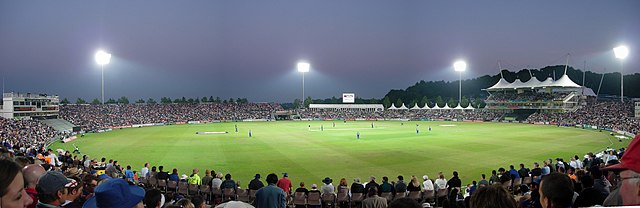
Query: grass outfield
[389, 149]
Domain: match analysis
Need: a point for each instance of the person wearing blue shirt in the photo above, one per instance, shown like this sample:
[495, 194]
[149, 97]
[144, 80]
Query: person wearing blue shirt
[270, 195]
[174, 176]
[129, 174]
[513, 173]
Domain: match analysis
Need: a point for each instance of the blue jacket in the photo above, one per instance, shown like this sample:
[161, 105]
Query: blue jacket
[270, 197]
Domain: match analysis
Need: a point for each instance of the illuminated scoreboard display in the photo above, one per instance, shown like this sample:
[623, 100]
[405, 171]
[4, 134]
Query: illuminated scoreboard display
[348, 97]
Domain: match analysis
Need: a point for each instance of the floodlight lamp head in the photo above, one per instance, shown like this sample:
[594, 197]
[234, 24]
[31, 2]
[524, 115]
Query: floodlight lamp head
[303, 66]
[102, 57]
[460, 66]
[621, 52]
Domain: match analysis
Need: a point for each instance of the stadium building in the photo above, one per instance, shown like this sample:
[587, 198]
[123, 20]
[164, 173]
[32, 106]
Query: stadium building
[29, 106]
[526, 97]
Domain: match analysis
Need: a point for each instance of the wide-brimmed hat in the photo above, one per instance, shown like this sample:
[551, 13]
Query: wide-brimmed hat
[327, 180]
[116, 193]
[631, 158]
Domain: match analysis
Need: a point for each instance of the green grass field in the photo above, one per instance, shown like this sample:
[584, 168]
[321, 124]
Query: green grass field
[389, 149]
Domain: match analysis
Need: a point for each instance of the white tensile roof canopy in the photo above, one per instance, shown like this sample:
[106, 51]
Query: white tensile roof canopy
[503, 84]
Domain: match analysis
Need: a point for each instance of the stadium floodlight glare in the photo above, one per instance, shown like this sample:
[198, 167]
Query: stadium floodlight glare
[303, 67]
[102, 58]
[460, 66]
[621, 53]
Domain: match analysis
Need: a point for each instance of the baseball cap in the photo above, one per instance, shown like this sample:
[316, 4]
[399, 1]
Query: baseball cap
[116, 193]
[631, 158]
[285, 174]
[53, 181]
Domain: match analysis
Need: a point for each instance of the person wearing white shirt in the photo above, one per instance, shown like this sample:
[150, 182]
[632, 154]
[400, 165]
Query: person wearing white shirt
[144, 172]
[441, 183]
[427, 185]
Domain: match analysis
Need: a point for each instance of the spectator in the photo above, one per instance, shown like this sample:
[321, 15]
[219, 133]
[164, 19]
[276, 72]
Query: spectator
[194, 178]
[404, 203]
[228, 183]
[386, 186]
[128, 174]
[588, 196]
[256, 184]
[400, 186]
[161, 174]
[207, 178]
[373, 200]
[523, 172]
[12, 192]
[556, 190]
[284, 183]
[53, 188]
[494, 177]
[217, 181]
[427, 185]
[357, 187]
[504, 176]
[629, 166]
[328, 188]
[343, 186]
[455, 182]
[513, 173]
[174, 175]
[372, 183]
[493, 196]
[483, 182]
[31, 175]
[413, 185]
[153, 199]
[271, 196]
[536, 171]
[441, 183]
[198, 201]
[144, 172]
[116, 193]
[302, 189]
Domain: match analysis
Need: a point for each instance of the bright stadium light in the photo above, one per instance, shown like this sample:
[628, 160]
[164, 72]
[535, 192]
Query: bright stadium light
[621, 53]
[303, 67]
[102, 58]
[460, 66]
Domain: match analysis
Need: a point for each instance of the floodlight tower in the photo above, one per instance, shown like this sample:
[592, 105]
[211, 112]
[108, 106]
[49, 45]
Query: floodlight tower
[102, 58]
[460, 66]
[621, 53]
[303, 67]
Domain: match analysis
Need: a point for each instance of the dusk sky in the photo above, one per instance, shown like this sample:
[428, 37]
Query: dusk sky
[249, 49]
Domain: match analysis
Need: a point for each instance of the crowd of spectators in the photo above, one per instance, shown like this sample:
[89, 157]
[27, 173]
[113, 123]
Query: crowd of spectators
[95, 117]
[605, 115]
[460, 115]
[25, 133]
[528, 96]
[81, 181]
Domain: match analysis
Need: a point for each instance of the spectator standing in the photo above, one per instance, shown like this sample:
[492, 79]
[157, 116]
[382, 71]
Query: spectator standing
[284, 183]
[271, 196]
